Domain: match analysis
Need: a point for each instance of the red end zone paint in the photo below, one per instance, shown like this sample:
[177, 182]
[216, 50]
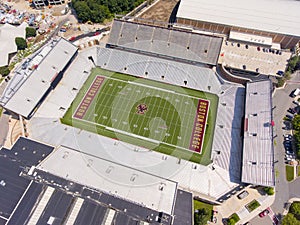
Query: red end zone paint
[199, 126]
[89, 96]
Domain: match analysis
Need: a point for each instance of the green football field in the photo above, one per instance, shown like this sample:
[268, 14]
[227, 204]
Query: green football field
[146, 113]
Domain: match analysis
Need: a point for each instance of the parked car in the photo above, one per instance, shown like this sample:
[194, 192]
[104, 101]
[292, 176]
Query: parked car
[290, 110]
[264, 213]
[295, 93]
[280, 72]
[243, 195]
[275, 220]
[296, 102]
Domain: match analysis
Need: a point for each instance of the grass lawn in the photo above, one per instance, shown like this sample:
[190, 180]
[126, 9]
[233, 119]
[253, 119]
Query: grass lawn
[298, 168]
[201, 205]
[289, 173]
[1, 110]
[146, 113]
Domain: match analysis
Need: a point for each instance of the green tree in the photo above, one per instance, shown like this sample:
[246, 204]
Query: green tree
[201, 217]
[296, 123]
[82, 10]
[290, 219]
[293, 64]
[99, 10]
[269, 190]
[30, 32]
[21, 43]
[4, 70]
[295, 209]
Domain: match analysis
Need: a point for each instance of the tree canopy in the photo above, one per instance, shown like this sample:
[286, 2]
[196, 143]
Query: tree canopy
[295, 209]
[290, 219]
[21, 43]
[98, 10]
[30, 32]
[201, 217]
[294, 64]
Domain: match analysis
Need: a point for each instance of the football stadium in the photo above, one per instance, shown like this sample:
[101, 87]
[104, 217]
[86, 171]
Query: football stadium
[145, 113]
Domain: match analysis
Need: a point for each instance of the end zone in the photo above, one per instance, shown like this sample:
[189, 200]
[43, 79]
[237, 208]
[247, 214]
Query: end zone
[88, 98]
[196, 141]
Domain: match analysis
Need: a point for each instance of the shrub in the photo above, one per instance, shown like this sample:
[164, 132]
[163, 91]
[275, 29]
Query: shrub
[233, 219]
[252, 205]
[4, 71]
[280, 82]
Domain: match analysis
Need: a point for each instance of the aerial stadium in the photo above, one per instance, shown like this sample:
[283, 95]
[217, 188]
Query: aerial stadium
[146, 113]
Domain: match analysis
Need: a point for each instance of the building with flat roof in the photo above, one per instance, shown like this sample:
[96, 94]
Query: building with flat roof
[37, 76]
[266, 18]
[258, 150]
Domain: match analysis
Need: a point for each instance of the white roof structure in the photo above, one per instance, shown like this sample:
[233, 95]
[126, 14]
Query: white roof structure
[152, 191]
[258, 152]
[277, 16]
[8, 33]
[26, 98]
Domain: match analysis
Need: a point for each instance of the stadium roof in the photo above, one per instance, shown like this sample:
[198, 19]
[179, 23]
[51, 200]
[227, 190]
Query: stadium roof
[166, 43]
[8, 33]
[114, 178]
[36, 85]
[280, 16]
[258, 152]
[32, 196]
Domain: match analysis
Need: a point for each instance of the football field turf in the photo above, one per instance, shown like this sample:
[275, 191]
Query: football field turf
[162, 117]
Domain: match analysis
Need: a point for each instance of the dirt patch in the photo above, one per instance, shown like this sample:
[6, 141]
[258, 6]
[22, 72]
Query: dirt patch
[161, 11]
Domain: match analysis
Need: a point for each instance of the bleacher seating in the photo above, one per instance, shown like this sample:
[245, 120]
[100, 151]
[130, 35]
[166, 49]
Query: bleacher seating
[166, 42]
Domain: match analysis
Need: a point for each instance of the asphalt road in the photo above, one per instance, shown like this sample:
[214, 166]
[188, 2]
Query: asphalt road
[281, 102]
[261, 221]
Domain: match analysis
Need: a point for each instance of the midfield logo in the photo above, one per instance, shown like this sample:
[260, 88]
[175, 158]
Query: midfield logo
[142, 109]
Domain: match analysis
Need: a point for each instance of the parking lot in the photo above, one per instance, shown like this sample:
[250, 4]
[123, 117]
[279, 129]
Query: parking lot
[253, 58]
[288, 140]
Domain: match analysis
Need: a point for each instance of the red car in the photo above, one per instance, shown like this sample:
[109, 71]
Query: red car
[264, 213]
